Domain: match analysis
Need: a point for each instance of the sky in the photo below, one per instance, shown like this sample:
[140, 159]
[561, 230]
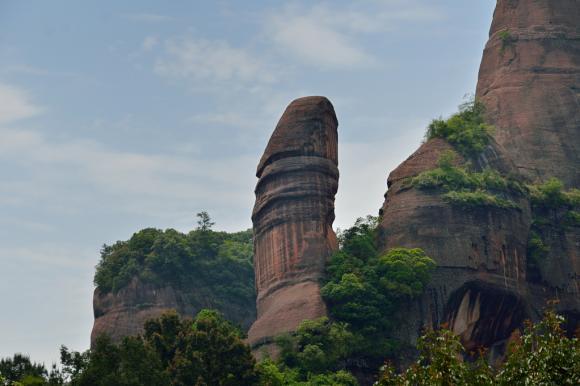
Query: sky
[121, 115]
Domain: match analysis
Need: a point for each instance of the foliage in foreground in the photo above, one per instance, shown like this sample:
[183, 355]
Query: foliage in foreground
[219, 263]
[207, 350]
[543, 355]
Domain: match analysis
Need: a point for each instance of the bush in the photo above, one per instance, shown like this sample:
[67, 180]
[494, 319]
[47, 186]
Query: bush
[542, 356]
[468, 189]
[477, 199]
[364, 288]
[552, 195]
[465, 130]
[207, 350]
[553, 205]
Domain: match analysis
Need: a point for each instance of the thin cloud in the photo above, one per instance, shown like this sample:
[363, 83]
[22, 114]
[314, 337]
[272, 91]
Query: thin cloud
[15, 104]
[139, 183]
[210, 61]
[316, 43]
[329, 35]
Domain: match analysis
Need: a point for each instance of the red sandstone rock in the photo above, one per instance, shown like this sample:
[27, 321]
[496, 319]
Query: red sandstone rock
[529, 80]
[479, 251]
[293, 216]
[125, 312]
[484, 285]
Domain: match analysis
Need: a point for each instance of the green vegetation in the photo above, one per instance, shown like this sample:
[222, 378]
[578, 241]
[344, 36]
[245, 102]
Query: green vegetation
[465, 188]
[553, 205]
[217, 262]
[20, 370]
[477, 199]
[363, 290]
[506, 39]
[209, 351]
[172, 351]
[551, 195]
[465, 130]
[543, 355]
[537, 250]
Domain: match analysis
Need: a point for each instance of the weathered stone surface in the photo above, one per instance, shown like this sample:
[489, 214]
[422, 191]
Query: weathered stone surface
[293, 216]
[485, 284]
[479, 251]
[529, 80]
[124, 313]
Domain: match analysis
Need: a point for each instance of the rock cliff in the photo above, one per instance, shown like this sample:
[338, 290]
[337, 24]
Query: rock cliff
[158, 270]
[480, 251]
[529, 80]
[488, 281]
[293, 216]
[123, 313]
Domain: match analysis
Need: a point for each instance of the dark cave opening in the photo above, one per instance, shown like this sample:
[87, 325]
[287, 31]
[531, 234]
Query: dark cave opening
[485, 316]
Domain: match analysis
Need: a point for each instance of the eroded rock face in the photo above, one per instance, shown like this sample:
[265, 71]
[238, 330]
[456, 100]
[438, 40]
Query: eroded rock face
[486, 282]
[123, 313]
[470, 245]
[293, 216]
[529, 80]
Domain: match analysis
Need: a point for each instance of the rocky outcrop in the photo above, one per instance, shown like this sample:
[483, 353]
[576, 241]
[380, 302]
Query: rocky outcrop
[529, 80]
[293, 216]
[123, 313]
[487, 282]
[477, 250]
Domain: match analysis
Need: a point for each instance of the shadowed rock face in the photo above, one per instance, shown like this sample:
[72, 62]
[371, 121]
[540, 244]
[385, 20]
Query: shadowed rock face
[124, 313]
[479, 244]
[529, 80]
[293, 216]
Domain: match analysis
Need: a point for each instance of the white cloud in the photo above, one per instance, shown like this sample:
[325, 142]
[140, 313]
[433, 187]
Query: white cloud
[316, 42]
[147, 17]
[327, 35]
[211, 61]
[15, 104]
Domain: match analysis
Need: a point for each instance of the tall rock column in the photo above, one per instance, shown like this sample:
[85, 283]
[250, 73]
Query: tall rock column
[529, 80]
[293, 216]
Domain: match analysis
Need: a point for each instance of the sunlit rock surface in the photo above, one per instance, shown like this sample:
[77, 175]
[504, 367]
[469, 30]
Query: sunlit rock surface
[529, 80]
[293, 216]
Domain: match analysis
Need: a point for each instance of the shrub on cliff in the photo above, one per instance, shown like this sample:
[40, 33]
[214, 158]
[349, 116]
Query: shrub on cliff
[465, 130]
[465, 188]
[364, 288]
[217, 262]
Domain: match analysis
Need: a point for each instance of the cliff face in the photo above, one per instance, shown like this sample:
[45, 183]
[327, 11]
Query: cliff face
[529, 80]
[479, 251]
[293, 216]
[488, 281]
[123, 313]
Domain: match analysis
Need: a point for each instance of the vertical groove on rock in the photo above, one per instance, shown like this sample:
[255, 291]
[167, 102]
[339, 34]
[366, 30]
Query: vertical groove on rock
[293, 216]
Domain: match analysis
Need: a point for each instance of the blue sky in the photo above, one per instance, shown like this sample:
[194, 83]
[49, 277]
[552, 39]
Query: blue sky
[115, 116]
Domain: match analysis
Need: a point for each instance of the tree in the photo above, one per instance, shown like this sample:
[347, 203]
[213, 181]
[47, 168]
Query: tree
[21, 369]
[210, 351]
[544, 355]
[365, 288]
[204, 223]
